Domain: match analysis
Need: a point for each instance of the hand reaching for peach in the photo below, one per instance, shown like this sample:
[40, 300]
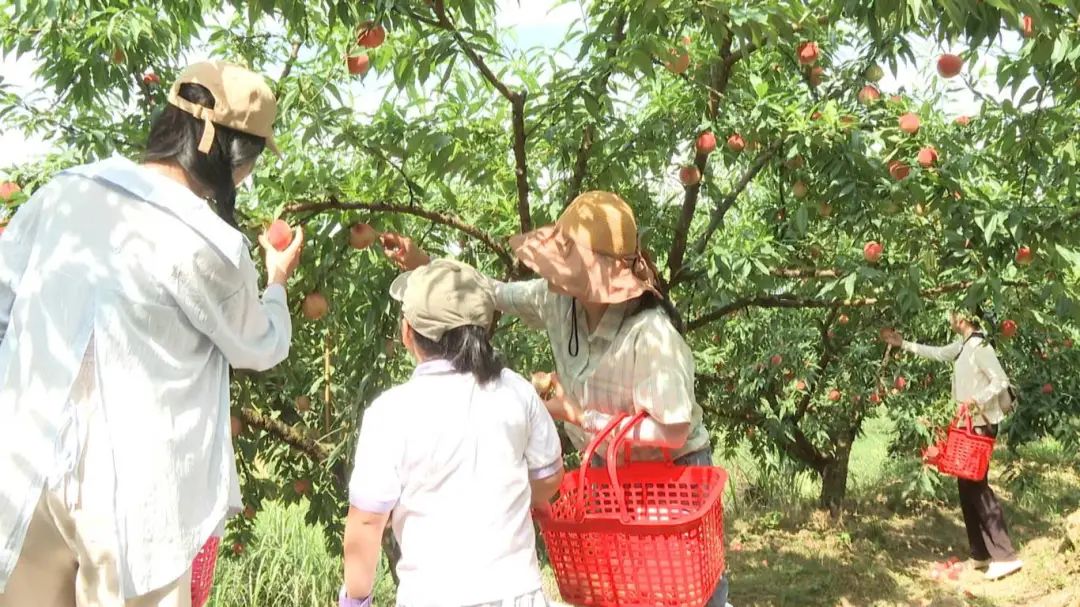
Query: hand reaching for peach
[892, 337]
[544, 384]
[401, 250]
[559, 405]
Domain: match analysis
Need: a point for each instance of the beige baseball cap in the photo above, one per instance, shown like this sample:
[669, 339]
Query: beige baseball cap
[242, 101]
[443, 295]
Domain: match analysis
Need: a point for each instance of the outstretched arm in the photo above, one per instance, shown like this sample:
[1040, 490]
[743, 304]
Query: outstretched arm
[944, 354]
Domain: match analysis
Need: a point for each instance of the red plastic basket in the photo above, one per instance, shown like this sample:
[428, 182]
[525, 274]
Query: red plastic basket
[202, 571]
[637, 534]
[965, 454]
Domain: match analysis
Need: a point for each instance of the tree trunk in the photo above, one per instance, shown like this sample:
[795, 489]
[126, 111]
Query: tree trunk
[834, 475]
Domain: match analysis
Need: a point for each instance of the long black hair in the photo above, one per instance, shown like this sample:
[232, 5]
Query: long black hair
[175, 136]
[468, 349]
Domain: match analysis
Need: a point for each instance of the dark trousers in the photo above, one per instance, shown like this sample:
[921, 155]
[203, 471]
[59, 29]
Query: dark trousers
[983, 516]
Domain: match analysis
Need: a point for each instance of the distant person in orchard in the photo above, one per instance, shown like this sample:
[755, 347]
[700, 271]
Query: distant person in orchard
[615, 347]
[126, 293]
[981, 386]
[455, 459]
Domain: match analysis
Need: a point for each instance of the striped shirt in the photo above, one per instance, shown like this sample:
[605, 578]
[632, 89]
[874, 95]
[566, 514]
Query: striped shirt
[632, 362]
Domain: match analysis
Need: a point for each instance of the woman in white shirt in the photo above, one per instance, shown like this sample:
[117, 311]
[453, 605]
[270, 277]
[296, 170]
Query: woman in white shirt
[454, 458]
[124, 300]
[615, 348]
[979, 384]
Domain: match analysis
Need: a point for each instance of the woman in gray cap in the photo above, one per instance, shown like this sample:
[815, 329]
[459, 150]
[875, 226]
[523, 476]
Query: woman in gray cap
[454, 458]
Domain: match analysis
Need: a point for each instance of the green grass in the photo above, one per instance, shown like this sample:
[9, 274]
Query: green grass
[286, 564]
[781, 550]
[882, 551]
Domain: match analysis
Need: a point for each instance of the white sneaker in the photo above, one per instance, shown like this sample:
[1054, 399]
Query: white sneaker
[1000, 569]
[979, 564]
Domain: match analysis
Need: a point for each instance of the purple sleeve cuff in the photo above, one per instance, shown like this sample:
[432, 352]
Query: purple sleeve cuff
[547, 471]
[345, 601]
[370, 505]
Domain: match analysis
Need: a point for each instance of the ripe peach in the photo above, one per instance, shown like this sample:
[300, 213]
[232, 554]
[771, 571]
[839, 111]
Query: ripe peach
[898, 170]
[279, 234]
[362, 235]
[302, 486]
[706, 143]
[869, 94]
[909, 123]
[315, 306]
[928, 157]
[949, 65]
[808, 53]
[799, 189]
[359, 65]
[689, 175]
[872, 251]
[543, 383]
[8, 189]
[679, 61]
[372, 36]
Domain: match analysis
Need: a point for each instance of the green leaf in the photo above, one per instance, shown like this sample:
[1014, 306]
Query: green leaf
[849, 284]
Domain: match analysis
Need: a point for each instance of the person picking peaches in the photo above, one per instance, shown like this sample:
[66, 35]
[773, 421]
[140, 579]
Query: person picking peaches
[616, 350]
[980, 386]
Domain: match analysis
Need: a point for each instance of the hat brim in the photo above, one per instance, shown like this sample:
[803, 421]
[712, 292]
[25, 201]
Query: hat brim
[580, 272]
[270, 143]
[397, 288]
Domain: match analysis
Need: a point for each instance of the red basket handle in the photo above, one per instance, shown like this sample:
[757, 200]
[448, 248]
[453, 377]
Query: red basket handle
[590, 451]
[613, 456]
[963, 414]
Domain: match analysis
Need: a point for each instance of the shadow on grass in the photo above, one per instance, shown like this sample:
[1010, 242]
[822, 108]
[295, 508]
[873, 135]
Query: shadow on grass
[879, 556]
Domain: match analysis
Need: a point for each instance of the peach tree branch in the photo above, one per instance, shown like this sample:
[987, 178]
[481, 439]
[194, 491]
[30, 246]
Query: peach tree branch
[447, 220]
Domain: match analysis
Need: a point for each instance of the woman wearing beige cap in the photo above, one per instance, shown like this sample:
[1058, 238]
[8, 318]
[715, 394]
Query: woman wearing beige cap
[616, 350]
[124, 300]
[454, 458]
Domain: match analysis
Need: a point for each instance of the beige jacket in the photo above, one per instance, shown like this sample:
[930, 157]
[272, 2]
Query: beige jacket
[977, 374]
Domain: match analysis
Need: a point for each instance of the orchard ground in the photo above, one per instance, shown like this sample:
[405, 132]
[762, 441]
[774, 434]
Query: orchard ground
[782, 550]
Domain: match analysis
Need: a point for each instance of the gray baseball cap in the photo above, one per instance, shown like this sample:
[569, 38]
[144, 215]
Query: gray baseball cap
[443, 295]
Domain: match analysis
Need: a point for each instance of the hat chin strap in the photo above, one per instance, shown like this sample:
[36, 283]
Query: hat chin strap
[200, 112]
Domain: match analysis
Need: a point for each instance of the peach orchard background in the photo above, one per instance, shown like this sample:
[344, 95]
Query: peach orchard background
[474, 124]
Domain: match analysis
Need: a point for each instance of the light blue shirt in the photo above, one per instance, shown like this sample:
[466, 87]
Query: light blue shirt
[118, 256]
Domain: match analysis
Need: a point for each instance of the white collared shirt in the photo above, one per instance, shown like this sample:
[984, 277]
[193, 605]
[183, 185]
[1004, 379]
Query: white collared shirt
[118, 256]
[452, 459]
[632, 361]
[977, 374]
